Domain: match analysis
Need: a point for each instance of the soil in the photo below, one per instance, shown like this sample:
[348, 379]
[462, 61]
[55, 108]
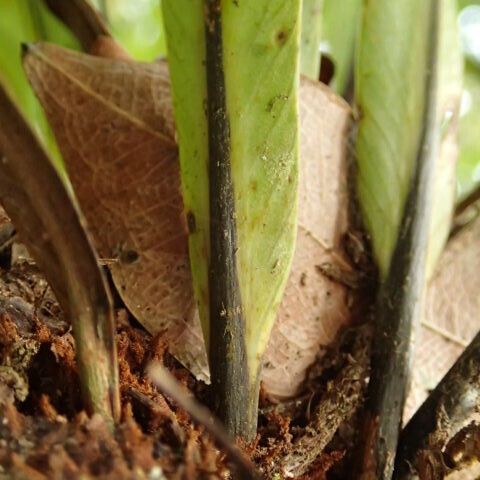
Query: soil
[45, 434]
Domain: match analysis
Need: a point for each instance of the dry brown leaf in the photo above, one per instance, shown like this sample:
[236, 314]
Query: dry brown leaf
[114, 125]
[42, 210]
[451, 314]
[113, 121]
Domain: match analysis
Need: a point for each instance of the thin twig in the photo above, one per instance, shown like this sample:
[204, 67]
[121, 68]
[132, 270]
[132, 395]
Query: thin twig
[82, 18]
[163, 379]
[446, 411]
[445, 333]
[399, 300]
[158, 410]
[37, 201]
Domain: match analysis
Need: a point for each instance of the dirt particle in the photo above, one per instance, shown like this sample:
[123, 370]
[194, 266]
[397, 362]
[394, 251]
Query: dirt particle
[275, 266]
[275, 101]
[282, 37]
[191, 222]
[128, 257]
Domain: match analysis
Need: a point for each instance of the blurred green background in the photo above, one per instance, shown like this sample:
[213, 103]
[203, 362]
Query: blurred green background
[137, 25]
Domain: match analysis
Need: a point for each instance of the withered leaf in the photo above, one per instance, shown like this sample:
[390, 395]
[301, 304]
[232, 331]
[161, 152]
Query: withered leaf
[114, 125]
[47, 219]
[113, 121]
[451, 314]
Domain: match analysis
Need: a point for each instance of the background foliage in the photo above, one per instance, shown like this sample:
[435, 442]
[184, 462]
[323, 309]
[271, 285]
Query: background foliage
[28, 21]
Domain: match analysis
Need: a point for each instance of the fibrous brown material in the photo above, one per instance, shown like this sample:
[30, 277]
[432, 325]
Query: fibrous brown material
[49, 436]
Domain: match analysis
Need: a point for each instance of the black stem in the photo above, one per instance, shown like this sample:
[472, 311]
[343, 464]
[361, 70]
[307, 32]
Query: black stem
[235, 404]
[399, 301]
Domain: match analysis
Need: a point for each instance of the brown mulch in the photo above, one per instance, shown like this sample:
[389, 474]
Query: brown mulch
[45, 434]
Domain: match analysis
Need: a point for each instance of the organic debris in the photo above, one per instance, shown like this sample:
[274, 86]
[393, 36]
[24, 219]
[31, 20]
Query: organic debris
[45, 434]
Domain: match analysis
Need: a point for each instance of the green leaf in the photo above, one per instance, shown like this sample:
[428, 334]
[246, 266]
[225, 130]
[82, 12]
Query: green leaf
[450, 83]
[186, 52]
[340, 22]
[311, 37]
[264, 130]
[259, 37]
[28, 21]
[390, 94]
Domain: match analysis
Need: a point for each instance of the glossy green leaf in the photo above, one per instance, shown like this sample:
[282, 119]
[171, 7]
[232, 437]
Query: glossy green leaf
[260, 51]
[339, 32]
[311, 37]
[450, 84]
[390, 94]
[28, 21]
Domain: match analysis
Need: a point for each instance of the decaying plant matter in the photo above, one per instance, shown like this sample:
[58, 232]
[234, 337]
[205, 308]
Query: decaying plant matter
[449, 408]
[45, 215]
